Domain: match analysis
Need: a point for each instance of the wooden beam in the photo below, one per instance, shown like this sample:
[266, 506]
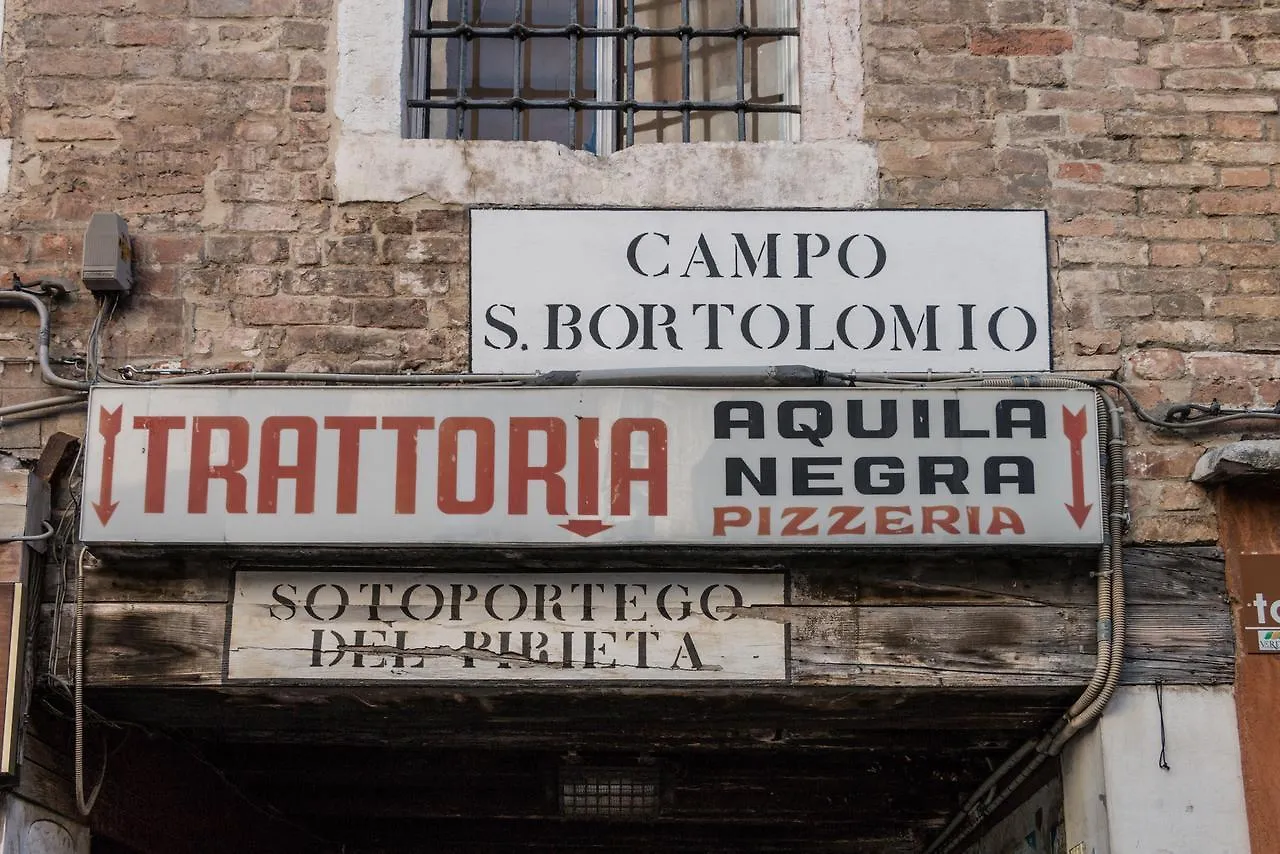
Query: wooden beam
[929, 623]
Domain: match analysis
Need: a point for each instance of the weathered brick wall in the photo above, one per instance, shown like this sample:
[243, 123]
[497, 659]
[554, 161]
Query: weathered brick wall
[1149, 132]
[1147, 129]
[204, 123]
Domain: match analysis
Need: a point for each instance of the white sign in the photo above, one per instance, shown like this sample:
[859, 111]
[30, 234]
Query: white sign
[400, 626]
[484, 466]
[865, 290]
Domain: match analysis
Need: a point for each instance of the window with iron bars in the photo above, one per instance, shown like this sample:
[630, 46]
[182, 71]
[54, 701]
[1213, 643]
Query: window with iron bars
[599, 75]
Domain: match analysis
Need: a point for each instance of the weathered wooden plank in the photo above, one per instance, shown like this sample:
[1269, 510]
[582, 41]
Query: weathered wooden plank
[44, 779]
[145, 643]
[939, 646]
[1175, 575]
[950, 579]
[549, 718]
[856, 832]
[172, 580]
[1178, 644]
[182, 644]
[866, 577]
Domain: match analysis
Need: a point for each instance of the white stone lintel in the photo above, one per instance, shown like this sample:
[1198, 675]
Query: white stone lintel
[389, 169]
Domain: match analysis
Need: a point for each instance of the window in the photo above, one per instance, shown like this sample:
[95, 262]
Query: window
[396, 103]
[599, 75]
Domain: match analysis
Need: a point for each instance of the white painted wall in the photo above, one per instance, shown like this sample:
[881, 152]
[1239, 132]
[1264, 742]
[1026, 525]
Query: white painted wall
[829, 167]
[1119, 801]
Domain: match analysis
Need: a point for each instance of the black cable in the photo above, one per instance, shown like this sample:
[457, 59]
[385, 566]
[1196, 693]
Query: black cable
[1162, 762]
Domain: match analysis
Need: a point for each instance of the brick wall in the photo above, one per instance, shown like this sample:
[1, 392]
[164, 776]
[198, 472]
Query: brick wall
[1149, 132]
[1147, 129]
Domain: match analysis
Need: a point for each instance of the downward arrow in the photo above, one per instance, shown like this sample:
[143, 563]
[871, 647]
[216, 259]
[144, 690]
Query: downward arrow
[109, 428]
[585, 527]
[1076, 427]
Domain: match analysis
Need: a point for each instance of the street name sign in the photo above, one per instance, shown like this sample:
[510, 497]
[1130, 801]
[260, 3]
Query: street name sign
[375, 626]
[860, 290]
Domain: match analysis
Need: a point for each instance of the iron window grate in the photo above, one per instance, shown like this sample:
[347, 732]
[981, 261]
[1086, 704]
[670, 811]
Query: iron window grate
[593, 73]
[608, 792]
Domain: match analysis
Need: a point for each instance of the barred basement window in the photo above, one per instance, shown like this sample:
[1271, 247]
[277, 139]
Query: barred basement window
[608, 792]
[597, 75]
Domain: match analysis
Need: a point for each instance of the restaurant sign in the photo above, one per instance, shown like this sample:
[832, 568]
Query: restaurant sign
[420, 626]
[854, 290]
[486, 466]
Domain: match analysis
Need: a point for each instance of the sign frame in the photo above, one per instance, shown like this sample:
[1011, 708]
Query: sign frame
[946, 364]
[948, 471]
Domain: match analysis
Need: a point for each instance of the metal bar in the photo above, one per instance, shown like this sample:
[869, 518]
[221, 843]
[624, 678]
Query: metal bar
[573, 73]
[426, 73]
[599, 32]
[742, 69]
[622, 105]
[607, 57]
[464, 44]
[516, 71]
[686, 73]
[631, 70]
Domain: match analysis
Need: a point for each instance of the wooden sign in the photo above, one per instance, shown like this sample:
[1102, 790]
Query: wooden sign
[304, 627]
[1259, 611]
[485, 466]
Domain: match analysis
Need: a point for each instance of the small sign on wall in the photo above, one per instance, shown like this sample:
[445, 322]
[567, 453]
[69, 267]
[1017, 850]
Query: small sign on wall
[1259, 612]
[306, 627]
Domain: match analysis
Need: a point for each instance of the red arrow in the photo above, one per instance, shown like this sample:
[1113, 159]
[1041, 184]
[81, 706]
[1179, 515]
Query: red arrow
[109, 427]
[585, 527]
[1076, 428]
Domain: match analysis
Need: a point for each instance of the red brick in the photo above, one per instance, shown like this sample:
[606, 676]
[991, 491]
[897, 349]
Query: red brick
[1166, 462]
[1020, 42]
[303, 34]
[1155, 363]
[85, 62]
[1237, 127]
[398, 313]
[307, 99]
[234, 66]
[1238, 202]
[288, 310]
[1215, 54]
[1246, 177]
[1165, 527]
[1175, 254]
[157, 33]
[242, 8]
[1090, 173]
[1106, 47]
[1210, 79]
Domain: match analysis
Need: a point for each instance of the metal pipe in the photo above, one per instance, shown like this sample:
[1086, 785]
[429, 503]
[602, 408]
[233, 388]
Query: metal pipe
[29, 538]
[42, 403]
[777, 375]
[33, 302]
[1111, 621]
[338, 379]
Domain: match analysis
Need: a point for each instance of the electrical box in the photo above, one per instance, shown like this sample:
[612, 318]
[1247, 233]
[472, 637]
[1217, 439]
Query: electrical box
[107, 266]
